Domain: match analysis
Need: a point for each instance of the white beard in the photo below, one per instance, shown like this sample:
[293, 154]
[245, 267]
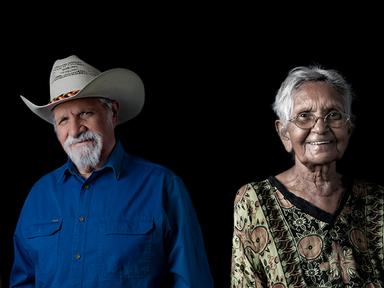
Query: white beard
[86, 157]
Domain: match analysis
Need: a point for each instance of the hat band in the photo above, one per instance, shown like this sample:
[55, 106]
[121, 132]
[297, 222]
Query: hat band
[64, 96]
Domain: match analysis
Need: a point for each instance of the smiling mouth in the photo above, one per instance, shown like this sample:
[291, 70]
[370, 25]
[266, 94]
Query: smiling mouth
[319, 142]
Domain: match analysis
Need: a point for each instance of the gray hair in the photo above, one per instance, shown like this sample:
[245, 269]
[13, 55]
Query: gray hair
[297, 76]
[106, 102]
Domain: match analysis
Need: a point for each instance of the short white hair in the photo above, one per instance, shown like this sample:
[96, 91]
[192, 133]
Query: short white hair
[283, 104]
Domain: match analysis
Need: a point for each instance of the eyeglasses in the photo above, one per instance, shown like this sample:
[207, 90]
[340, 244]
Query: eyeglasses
[307, 120]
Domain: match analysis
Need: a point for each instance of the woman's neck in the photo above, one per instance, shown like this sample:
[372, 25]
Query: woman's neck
[322, 187]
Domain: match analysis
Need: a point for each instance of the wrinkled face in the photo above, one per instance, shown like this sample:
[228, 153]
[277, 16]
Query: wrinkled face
[321, 144]
[85, 129]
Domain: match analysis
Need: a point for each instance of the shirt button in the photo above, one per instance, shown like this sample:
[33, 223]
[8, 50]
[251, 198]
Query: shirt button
[82, 218]
[77, 256]
[86, 186]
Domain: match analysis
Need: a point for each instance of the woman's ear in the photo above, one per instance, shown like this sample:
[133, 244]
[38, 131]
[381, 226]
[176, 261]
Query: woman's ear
[350, 129]
[283, 133]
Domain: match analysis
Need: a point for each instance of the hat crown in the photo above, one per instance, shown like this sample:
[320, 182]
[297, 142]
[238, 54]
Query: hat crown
[70, 74]
[71, 78]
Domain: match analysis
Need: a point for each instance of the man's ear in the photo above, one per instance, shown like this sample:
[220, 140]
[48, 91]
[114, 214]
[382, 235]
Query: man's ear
[115, 109]
[283, 133]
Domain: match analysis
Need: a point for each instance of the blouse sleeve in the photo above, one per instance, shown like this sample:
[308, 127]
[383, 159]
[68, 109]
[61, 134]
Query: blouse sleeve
[246, 270]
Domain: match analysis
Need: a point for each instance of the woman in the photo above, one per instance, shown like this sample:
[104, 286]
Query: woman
[309, 226]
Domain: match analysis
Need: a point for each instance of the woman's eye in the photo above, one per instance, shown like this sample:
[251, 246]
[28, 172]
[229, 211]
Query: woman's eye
[304, 116]
[334, 115]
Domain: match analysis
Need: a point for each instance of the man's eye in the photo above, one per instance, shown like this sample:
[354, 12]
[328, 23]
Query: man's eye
[85, 114]
[62, 121]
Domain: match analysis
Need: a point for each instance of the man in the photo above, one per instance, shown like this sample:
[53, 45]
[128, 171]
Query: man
[105, 218]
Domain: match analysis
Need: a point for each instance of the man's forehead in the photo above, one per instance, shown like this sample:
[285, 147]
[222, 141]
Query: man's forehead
[79, 103]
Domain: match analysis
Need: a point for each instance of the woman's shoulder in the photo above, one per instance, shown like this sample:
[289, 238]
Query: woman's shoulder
[253, 190]
[368, 184]
[366, 188]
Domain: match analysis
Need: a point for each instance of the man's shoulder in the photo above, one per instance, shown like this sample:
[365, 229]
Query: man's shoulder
[52, 175]
[142, 164]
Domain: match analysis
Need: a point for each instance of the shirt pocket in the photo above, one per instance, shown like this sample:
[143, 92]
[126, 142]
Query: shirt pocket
[126, 248]
[42, 239]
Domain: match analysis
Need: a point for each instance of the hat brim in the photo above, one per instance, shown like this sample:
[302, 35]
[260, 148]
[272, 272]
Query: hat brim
[118, 84]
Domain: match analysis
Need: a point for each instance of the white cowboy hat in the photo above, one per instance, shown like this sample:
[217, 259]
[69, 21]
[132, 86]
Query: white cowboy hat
[71, 78]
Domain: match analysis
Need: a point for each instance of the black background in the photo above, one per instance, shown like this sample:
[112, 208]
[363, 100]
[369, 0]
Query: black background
[210, 75]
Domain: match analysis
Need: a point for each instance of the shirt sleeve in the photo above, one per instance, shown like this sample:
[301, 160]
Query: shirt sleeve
[188, 263]
[22, 273]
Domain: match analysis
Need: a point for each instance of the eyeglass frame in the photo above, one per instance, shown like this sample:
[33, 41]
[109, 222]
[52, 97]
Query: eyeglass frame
[325, 118]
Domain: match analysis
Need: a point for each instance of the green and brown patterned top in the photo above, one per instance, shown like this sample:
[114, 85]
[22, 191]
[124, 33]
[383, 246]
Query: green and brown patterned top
[282, 241]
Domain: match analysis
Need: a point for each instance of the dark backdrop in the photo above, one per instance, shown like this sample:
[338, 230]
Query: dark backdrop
[210, 81]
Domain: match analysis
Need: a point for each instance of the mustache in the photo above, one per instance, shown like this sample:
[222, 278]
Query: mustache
[85, 136]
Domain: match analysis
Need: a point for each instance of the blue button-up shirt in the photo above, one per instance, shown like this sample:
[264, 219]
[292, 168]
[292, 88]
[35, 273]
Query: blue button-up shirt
[130, 224]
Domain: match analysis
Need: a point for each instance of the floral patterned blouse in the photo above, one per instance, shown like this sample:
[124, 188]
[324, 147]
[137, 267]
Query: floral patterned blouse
[282, 241]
